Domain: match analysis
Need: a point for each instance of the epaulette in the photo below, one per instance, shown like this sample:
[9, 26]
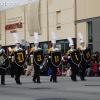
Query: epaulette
[68, 52]
[49, 50]
[32, 49]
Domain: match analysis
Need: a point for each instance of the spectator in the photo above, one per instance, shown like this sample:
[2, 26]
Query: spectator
[89, 69]
[95, 67]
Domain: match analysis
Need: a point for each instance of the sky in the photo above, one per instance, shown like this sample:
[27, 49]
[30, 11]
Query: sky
[7, 4]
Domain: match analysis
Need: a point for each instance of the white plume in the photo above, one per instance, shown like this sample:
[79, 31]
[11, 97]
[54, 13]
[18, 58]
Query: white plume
[53, 36]
[36, 38]
[9, 48]
[80, 36]
[70, 40]
[15, 36]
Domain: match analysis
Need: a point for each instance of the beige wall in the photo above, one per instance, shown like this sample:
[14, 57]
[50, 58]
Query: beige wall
[59, 18]
[82, 27]
[14, 16]
[65, 18]
[2, 27]
[87, 9]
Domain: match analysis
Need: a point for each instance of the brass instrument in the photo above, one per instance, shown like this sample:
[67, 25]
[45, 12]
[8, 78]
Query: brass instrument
[12, 60]
[31, 59]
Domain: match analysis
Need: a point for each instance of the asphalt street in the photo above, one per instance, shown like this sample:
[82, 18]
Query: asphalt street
[65, 89]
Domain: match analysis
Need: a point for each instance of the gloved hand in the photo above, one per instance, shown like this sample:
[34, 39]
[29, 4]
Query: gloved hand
[68, 57]
[13, 57]
[49, 56]
[31, 55]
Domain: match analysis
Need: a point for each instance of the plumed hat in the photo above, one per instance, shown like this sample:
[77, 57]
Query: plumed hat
[16, 38]
[70, 41]
[81, 37]
[53, 37]
[36, 38]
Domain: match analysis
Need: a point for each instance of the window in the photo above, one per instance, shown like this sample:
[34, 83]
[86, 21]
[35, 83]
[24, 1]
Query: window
[90, 35]
[90, 40]
[63, 45]
[31, 45]
[44, 46]
[60, 45]
[58, 17]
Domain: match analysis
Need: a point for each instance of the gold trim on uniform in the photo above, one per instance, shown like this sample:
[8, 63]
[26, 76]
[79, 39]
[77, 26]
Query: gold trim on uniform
[49, 50]
[31, 58]
[12, 51]
[32, 50]
[68, 52]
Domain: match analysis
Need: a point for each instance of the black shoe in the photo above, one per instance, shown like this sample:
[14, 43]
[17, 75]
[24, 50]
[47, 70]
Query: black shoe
[83, 79]
[12, 76]
[74, 80]
[50, 80]
[55, 81]
[38, 82]
[19, 83]
[34, 81]
[3, 84]
[16, 80]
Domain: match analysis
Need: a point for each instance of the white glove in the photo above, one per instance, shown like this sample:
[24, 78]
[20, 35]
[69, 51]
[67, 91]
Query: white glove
[9, 48]
[13, 57]
[62, 58]
[49, 56]
[31, 55]
[68, 57]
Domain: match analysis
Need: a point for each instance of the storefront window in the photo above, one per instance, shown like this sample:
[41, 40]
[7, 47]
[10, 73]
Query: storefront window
[63, 45]
[60, 45]
[45, 48]
[66, 46]
[31, 45]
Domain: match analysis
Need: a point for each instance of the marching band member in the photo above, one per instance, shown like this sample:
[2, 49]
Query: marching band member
[17, 70]
[83, 63]
[36, 67]
[74, 68]
[54, 48]
[2, 70]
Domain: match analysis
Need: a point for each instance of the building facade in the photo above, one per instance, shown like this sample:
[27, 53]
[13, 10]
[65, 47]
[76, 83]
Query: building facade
[64, 17]
[88, 22]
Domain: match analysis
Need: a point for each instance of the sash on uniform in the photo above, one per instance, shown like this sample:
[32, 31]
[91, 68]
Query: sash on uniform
[76, 57]
[56, 58]
[20, 57]
[38, 57]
